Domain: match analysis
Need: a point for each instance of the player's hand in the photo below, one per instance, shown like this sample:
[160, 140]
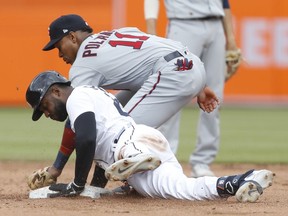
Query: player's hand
[65, 190]
[207, 100]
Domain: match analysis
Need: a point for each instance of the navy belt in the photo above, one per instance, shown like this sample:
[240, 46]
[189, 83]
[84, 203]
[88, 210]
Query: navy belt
[172, 56]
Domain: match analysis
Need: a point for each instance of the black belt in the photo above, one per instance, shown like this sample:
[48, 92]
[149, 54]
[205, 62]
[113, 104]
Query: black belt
[172, 56]
[199, 18]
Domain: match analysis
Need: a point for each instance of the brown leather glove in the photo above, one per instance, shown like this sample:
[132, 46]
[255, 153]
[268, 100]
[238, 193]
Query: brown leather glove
[233, 61]
[40, 178]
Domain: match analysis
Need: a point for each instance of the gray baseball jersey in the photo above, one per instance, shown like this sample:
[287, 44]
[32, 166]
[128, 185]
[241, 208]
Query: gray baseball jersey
[120, 59]
[131, 60]
[112, 123]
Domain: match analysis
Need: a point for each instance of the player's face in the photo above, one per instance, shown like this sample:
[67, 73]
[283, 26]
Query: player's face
[67, 48]
[53, 107]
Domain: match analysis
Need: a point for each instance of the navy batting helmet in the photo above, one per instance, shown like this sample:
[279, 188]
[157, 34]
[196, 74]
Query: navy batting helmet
[38, 88]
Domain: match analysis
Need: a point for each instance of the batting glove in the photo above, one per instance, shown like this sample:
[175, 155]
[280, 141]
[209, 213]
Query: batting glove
[65, 190]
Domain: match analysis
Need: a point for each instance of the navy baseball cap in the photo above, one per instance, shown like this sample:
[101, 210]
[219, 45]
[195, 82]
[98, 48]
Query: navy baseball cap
[62, 26]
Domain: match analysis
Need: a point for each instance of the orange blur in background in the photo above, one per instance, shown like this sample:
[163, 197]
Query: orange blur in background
[261, 28]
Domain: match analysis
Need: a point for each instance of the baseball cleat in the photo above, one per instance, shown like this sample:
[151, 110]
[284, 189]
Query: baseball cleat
[249, 192]
[246, 187]
[122, 169]
[253, 185]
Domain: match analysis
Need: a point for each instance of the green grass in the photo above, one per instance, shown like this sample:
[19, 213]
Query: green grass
[23, 139]
[247, 135]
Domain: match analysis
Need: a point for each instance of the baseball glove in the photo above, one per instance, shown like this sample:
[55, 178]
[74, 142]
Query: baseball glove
[233, 61]
[40, 178]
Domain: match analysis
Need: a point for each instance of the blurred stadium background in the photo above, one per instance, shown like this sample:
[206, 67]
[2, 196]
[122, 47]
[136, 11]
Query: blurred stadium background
[254, 113]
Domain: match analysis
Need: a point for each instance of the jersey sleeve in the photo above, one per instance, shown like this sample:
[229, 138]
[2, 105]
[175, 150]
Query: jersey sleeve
[226, 4]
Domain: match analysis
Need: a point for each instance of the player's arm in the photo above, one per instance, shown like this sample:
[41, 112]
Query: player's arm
[151, 10]
[85, 140]
[233, 53]
[65, 150]
[85, 144]
[228, 27]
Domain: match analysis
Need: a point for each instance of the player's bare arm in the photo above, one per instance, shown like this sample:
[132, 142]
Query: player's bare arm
[151, 10]
[228, 29]
[233, 53]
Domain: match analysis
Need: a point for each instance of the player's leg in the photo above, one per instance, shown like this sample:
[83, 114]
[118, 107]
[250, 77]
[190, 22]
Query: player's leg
[132, 155]
[169, 182]
[190, 33]
[208, 129]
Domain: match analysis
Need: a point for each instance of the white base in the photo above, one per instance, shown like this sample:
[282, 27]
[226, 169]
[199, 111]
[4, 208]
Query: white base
[89, 191]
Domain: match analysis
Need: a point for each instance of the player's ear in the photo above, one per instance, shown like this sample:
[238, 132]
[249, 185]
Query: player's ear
[73, 36]
[55, 90]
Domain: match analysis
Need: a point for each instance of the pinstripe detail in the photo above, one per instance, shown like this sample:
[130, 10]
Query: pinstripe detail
[150, 92]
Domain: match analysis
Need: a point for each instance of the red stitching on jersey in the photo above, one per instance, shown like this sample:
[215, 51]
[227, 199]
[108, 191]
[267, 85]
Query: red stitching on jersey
[150, 92]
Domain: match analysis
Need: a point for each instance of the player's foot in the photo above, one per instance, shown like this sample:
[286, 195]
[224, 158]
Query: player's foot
[246, 187]
[250, 191]
[199, 170]
[122, 169]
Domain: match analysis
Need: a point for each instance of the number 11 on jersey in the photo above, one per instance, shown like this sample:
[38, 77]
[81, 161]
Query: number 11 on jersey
[125, 42]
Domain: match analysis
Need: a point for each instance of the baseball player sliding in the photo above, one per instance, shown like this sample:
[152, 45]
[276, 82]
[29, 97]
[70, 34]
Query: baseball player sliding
[105, 133]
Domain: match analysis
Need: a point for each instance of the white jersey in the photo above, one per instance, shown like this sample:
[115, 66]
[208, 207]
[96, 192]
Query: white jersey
[193, 9]
[119, 137]
[119, 59]
[109, 115]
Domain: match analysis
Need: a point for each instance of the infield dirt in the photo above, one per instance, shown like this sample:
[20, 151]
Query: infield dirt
[14, 196]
